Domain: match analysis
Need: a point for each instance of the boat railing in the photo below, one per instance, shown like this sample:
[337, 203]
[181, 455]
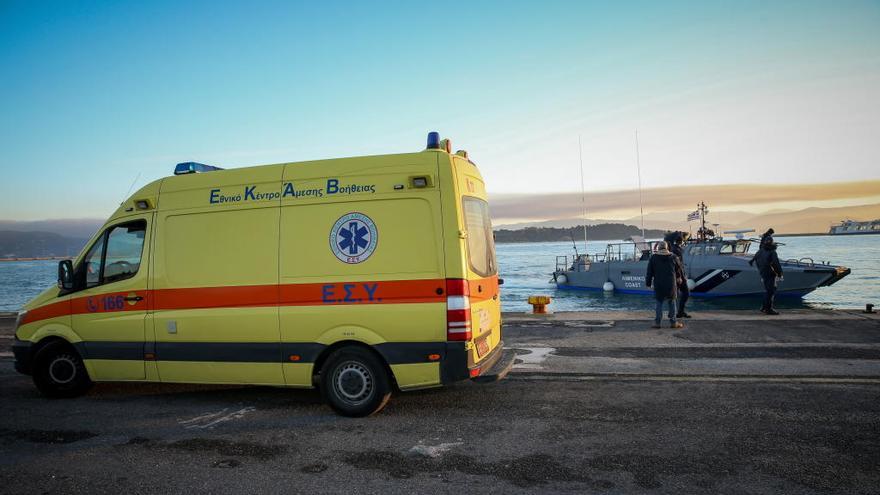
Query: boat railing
[613, 252]
[580, 263]
[805, 262]
[561, 263]
[626, 252]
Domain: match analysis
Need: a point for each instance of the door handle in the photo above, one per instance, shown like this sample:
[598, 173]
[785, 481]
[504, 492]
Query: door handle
[134, 298]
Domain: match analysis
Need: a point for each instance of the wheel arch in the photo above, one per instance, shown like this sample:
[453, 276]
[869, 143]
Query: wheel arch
[51, 339]
[54, 330]
[329, 350]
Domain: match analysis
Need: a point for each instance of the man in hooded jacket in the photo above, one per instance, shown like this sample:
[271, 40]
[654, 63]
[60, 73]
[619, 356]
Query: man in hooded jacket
[771, 271]
[664, 274]
[684, 291]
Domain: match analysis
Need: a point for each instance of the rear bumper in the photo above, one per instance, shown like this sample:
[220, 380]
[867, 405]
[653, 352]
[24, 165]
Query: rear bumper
[454, 367]
[499, 369]
[21, 349]
[492, 368]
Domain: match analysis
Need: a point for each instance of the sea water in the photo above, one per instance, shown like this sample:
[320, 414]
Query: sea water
[527, 270]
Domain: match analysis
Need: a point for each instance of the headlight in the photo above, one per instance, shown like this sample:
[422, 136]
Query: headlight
[18, 319]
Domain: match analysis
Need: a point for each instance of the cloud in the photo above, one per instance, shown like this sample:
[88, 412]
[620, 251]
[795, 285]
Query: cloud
[607, 203]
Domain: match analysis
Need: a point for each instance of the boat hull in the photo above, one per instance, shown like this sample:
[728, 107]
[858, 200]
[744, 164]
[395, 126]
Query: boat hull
[648, 292]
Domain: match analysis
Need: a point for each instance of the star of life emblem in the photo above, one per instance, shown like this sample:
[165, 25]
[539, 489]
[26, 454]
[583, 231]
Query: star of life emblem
[353, 238]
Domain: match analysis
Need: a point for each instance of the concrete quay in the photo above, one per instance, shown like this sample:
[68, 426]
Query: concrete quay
[735, 402]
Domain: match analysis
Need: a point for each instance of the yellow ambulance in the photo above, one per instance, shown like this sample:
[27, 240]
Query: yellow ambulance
[355, 275]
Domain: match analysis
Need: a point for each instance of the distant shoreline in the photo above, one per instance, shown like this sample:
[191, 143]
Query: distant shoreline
[618, 240]
[40, 258]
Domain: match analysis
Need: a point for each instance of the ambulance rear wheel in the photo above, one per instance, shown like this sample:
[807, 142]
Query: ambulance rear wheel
[354, 382]
[59, 372]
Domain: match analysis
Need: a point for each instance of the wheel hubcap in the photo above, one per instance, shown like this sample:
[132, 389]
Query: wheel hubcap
[62, 370]
[353, 382]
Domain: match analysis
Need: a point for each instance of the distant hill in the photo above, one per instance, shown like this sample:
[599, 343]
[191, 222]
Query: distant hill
[602, 232]
[560, 224]
[77, 228]
[812, 220]
[14, 244]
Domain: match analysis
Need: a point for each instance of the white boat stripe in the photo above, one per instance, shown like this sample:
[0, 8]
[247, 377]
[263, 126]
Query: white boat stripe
[707, 277]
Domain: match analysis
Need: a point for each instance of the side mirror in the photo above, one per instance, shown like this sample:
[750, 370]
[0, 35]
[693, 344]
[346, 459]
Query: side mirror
[65, 275]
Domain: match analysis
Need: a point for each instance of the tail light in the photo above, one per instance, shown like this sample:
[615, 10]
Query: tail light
[458, 310]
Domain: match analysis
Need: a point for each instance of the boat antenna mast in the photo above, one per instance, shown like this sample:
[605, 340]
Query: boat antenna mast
[639, 171]
[703, 234]
[573, 243]
[583, 195]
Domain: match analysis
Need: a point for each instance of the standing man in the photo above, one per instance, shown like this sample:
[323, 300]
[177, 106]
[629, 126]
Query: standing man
[684, 291]
[771, 271]
[664, 272]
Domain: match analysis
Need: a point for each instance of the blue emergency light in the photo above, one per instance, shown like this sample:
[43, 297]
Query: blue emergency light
[433, 140]
[193, 168]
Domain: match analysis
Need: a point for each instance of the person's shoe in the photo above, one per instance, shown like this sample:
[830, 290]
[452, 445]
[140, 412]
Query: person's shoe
[682, 315]
[677, 325]
[656, 325]
[771, 312]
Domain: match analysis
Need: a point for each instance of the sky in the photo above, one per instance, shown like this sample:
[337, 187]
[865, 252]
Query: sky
[99, 97]
[618, 204]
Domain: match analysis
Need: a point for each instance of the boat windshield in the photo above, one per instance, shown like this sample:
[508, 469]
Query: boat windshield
[735, 247]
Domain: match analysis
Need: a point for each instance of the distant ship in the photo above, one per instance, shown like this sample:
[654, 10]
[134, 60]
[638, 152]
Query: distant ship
[852, 227]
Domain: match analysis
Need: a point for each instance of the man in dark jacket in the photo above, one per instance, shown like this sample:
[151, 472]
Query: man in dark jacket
[664, 275]
[684, 291]
[771, 271]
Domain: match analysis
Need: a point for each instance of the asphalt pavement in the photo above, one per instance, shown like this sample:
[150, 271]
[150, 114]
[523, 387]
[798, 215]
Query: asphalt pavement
[598, 403]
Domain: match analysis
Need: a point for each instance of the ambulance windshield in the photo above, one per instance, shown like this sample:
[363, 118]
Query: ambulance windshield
[480, 240]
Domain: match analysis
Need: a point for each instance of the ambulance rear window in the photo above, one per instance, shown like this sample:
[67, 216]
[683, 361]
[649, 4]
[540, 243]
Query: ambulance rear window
[481, 243]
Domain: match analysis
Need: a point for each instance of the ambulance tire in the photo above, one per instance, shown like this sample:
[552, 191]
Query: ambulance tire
[59, 372]
[354, 382]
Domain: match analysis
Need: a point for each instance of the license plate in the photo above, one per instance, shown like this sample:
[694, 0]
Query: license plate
[485, 321]
[482, 347]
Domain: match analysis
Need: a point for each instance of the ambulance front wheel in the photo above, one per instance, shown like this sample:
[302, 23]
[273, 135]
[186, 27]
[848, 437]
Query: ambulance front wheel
[59, 372]
[354, 382]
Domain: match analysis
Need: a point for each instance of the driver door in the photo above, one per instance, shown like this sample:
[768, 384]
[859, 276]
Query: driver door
[109, 310]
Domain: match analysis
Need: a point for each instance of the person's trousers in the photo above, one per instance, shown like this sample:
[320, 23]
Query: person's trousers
[683, 294]
[769, 293]
[659, 309]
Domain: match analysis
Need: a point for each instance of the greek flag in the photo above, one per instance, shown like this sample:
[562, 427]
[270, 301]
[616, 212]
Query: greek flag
[693, 216]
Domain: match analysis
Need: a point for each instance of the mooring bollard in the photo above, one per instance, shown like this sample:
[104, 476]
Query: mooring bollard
[539, 304]
[869, 308]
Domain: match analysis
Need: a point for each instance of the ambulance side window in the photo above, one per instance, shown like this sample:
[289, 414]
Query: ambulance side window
[115, 256]
[124, 246]
[480, 238]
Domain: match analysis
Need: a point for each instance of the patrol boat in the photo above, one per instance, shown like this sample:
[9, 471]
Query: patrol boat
[715, 267]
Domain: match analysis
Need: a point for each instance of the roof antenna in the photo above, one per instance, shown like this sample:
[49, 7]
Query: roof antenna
[138, 176]
[639, 169]
[583, 194]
